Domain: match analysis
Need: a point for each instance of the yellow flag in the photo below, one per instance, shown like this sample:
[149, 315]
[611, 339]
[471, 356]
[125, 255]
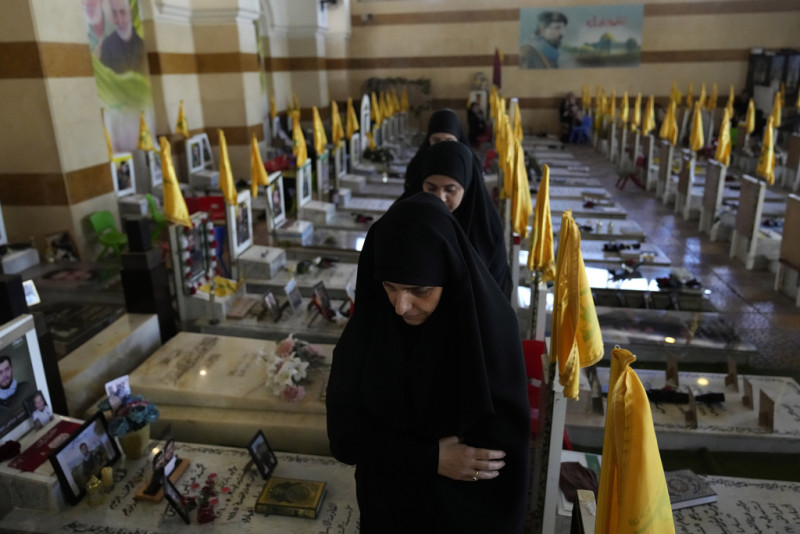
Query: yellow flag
[225, 174]
[689, 98]
[273, 106]
[145, 139]
[258, 174]
[376, 111]
[109, 147]
[540, 252]
[711, 103]
[404, 100]
[632, 496]
[575, 339]
[637, 112]
[371, 139]
[598, 101]
[320, 139]
[174, 204]
[702, 97]
[729, 105]
[521, 207]
[649, 123]
[337, 132]
[766, 161]
[623, 108]
[750, 118]
[776, 111]
[298, 142]
[723, 153]
[669, 128]
[696, 137]
[612, 105]
[517, 121]
[351, 120]
[182, 124]
[675, 94]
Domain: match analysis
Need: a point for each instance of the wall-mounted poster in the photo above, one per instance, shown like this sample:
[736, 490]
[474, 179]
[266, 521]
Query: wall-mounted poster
[580, 37]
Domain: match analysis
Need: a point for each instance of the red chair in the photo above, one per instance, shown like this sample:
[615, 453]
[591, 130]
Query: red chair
[533, 350]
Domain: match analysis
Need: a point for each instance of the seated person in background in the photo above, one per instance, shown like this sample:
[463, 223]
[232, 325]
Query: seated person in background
[476, 124]
[566, 115]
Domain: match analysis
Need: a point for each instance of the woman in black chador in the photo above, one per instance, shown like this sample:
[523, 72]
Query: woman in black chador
[427, 392]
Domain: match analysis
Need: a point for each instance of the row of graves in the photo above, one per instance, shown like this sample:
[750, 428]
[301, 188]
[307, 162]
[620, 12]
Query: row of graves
[661, 313]
[195, 326]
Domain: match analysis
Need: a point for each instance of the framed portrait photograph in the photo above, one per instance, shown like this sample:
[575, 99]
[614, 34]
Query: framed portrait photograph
[176, 500]
[272, 307]
[304, 184]
[294, 296]
[39, 410]
[117, 390]
[194, 154]
[63, 246]
[153, 158]
[21, 377]
[321, 297]
[3, 235]
[323, 175]
[262, 454]
[240, 224]
[339, 157]
[208, 155]
[123, 175]
[275, 201]
[31, 293]
[355, 150]
[83, 455]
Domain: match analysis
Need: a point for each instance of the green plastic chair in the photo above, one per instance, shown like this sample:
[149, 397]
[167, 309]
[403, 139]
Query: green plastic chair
[159, 219]
[111, 238]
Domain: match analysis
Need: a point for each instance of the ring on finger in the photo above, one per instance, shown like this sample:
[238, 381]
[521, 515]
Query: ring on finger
[475, 476]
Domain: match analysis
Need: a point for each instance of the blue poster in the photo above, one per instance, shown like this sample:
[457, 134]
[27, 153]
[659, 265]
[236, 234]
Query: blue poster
[580, 37]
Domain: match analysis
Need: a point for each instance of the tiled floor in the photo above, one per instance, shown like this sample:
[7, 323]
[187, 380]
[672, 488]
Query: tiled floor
[763, 317]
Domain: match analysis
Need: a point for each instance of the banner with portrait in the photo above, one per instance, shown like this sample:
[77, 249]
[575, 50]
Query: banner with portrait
[119, 58]
[580, 37]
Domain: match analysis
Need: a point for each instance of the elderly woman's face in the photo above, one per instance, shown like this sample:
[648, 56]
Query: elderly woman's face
[414, 304]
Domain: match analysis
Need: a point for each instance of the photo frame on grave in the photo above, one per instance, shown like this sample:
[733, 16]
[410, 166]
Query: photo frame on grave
[321, 298]
[271, 306]
[262, 455]
[19, 347]
[766, 411]
[355, 150]
[176, 501]
[3, 235]
[192, 252]
[153, 159]
[672, 374]
[208, 155]
[323, 176]
[167, 465]
[365, 122]
[691, 413]
[194, 154]
[747, 396]
[275, 201]
[304, 184]
[240, 224]
[32, 297]
[123, 174]
[82, 455]
[294, 296]
[732, 378]
[339, 162]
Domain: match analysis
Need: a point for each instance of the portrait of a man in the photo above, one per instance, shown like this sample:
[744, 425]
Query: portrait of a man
[12, 392]
[123, 50]
[541, 52]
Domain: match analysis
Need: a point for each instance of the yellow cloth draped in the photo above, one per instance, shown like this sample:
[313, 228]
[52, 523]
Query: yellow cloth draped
[731, 100]
[711, 103]
[632, 496]
[575, 340]
[225, 174]
[775, 115]
[612, 105]
[351, 120]
[258, 174]
[669, 128]
[750, 118]
[375, 108]
[766, 161]
[145, 139]
[702, 98]
[649, 123]
[521, 206]
[674, 94]
[723, 153]
[623, 108]
[636, 121]
[689, 97]
[109, 146]
[541, 255]
[337, 132]
[320, 139]
[517, 120]
[697, 137]
[182, 124]
[299, 148]
[174, 204]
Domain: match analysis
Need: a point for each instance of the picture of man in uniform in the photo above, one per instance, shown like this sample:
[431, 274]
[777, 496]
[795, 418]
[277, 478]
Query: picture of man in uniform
[124, 49]
[541, 52]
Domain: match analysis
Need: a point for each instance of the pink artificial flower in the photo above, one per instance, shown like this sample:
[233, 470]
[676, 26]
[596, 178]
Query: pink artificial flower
[293, 393]
[285, 347]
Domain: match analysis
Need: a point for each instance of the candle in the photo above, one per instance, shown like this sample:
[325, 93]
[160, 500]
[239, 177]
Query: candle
[107, 473]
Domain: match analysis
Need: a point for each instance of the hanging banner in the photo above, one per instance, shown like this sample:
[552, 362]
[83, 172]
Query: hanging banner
[580, 37]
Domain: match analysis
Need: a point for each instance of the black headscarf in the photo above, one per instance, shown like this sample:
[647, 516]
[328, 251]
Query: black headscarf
[476, 213]
[442, 120]
[395, 390]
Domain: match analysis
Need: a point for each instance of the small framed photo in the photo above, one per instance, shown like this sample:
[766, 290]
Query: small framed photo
[323, 175]
[208, 155]
[275, 200]
[122, 172]
[194, 154]
[31, 294]
[294, 296]
[39, 410]
[153, 158]
[340, 168]
[176, 500]
[262, 454]
[272, 307]
[63, 246]
[118, 390]
[304, 184]
[240, 224]
[321, 297]
[83, 455]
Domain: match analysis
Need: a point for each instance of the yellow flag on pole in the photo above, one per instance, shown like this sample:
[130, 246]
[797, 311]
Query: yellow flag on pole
[731, 100]
[623, 108]
[273, 106]
[351, 119]
[649, 123]
[697, 137]
[776, 111]
[320, 139]
[337, 132]
[750, 118]
[174, 204]
[145, 139]
[711, 103]
[521, 207]
[258, 174]
[723, 153]
[225, 174]
[689, 97]
[517, 121]
[575, 340]
[298, 142]
[632, 495]
[766, 161]
[376, 111]
[541, 256]
[702, 97]
[182, 124]
[674, 94]
[636, 121]
[669, 128]
[109, 147]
